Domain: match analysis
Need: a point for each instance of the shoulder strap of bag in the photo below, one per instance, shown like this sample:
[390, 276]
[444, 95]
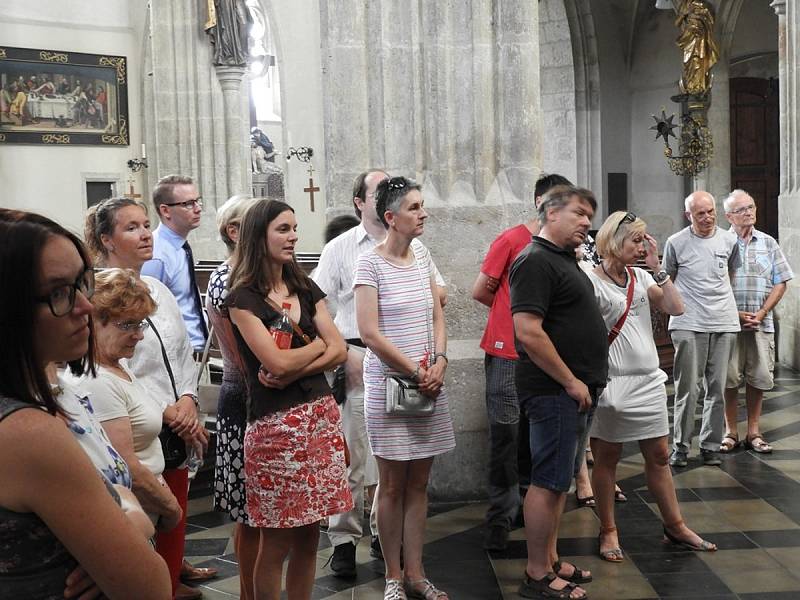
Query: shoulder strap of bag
[612, 335]
[206, 352]
[298, 332]
[164, 357]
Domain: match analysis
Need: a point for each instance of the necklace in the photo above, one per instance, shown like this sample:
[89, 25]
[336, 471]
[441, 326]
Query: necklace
[622, 285]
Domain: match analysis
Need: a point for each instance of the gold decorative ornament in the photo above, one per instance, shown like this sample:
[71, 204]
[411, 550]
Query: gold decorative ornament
[120, 139]
[2, 52]
[2, 137]
[118, 62]
[52, 138]
[54, 56]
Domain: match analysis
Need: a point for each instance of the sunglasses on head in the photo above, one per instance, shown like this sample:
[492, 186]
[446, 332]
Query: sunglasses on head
[628, 218]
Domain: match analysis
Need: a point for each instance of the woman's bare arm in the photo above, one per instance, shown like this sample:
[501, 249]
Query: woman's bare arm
[57, 481]
[367, 317]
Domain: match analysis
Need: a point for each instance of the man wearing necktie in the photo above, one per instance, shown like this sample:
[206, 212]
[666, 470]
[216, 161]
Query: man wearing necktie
[179, 207]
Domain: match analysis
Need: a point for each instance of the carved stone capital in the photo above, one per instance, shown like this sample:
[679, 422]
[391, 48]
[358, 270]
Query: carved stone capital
[230, 78]
[779, 6]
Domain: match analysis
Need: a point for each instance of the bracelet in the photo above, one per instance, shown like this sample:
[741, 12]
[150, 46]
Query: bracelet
[415, 374]
[443, 355]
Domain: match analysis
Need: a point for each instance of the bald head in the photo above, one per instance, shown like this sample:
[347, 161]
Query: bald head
[701, 212]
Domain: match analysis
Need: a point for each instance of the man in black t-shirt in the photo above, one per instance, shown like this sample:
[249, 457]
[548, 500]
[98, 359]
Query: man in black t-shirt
[562, 343]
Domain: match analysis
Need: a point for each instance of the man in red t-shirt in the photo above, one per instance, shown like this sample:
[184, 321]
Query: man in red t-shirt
[491, 288]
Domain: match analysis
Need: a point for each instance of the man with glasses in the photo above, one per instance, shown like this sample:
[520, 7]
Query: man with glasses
[179, 207]
[334, 275]
[758, 285]
[699, 259]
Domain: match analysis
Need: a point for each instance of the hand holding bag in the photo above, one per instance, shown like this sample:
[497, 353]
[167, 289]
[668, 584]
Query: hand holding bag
[402, 393]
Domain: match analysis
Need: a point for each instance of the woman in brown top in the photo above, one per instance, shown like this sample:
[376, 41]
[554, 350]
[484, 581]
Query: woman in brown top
[294, 452]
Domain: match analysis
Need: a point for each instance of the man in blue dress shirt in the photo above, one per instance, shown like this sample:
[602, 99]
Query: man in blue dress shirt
[179, 207]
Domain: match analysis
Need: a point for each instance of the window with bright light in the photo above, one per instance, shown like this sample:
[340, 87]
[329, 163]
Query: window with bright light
[265, 86]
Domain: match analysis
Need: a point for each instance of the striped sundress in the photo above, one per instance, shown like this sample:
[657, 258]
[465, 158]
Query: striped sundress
[405, 317]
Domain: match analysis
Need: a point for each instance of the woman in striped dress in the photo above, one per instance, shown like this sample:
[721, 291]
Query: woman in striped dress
[404, 330]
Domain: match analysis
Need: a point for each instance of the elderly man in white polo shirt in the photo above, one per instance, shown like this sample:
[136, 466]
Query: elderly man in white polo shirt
[758, 285]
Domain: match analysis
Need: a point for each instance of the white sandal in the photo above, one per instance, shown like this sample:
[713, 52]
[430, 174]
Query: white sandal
[428, 591]
[394, 590]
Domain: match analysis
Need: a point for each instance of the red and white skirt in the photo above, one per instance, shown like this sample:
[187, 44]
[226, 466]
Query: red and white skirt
[294, 466]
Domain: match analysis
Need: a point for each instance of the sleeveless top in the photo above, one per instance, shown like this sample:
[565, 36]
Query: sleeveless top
[33, 562]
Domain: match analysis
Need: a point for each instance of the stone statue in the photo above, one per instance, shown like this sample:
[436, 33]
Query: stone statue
[228, 26]
[700, 51]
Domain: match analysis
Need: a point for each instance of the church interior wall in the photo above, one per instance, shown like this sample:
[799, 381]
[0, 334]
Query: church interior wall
[48, 179]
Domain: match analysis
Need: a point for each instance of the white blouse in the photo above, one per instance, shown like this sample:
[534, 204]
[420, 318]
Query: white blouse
[147, 364]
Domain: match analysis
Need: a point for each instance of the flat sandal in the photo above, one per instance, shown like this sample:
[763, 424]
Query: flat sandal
[394, 590]
[428, 591]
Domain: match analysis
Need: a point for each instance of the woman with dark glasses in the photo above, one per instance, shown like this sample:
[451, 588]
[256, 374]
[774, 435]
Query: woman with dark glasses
[633, 406]
[57, 508]
[131, 420]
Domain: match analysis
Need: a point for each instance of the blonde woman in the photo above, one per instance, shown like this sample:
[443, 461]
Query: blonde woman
[633, 406]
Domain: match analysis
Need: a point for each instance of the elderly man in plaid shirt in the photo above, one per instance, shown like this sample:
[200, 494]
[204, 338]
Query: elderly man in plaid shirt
[758, 285]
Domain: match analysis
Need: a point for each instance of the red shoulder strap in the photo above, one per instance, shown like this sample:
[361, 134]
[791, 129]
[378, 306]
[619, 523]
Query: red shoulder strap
[612, 335]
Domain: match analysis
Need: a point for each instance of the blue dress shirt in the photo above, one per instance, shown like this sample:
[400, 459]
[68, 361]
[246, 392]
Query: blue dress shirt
[170, 265]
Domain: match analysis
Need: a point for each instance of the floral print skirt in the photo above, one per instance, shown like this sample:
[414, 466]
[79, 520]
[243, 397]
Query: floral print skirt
[294, 466]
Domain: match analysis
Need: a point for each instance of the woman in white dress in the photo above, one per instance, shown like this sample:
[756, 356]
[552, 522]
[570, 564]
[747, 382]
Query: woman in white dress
[634, 405]
[402, 324]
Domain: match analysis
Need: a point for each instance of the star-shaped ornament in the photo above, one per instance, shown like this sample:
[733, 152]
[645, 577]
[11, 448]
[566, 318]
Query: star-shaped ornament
[664, 127]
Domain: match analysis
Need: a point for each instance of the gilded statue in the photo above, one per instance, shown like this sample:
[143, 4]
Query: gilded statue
[228, 27]
[700, 51]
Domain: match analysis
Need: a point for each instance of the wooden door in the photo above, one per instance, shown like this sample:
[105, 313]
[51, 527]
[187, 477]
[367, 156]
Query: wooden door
[755, 159]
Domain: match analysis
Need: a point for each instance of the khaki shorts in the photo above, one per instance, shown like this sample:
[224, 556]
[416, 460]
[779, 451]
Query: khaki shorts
[752, 360]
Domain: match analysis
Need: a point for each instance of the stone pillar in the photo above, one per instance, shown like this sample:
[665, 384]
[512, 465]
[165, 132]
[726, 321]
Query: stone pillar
[788, 311]
[230, 79]
[447, 92]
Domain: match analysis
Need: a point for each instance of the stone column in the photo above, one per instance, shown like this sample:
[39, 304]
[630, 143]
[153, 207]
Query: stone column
[447, 92]
[230, 80]
[789, 200]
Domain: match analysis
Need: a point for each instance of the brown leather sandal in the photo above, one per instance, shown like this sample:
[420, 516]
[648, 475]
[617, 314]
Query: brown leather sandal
[729, 443]
[757, 443]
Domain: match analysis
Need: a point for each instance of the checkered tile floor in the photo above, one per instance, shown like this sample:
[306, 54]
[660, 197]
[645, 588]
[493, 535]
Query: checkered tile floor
[750, 508]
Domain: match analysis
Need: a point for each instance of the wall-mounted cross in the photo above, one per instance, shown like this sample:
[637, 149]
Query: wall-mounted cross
[311, 188]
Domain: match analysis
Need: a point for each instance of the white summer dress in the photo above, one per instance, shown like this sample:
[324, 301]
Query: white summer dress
[634, 404]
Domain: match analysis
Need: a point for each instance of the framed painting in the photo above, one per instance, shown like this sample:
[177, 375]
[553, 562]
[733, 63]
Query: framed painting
[62, 98]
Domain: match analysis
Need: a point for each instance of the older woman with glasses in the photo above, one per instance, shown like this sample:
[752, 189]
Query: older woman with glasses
[122, 304]
[118, 233]
[402, 324]
[634, 405]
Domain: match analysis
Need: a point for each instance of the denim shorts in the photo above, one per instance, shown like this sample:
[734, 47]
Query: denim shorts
[558, 434]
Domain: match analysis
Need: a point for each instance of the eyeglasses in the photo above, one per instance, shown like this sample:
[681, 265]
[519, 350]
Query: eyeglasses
[128, 326]
[62, 299]
[628, 218]
[190, 204]
[397, 183]
[744, 209]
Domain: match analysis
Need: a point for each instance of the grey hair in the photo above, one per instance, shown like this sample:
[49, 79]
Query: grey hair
[231, 212]
[559, 196]
[730, 198]
[687, 203]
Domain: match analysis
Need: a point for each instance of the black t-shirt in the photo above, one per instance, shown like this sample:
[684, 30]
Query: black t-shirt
[263, 400]
[546, 280]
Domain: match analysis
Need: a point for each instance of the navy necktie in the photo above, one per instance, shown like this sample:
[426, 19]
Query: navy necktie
[198, 304]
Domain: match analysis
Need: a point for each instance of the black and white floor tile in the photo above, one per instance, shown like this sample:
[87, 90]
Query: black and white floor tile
[750, 507]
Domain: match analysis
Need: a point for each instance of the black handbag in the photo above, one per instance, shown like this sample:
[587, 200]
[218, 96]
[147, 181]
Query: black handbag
[339, 385]
[172, 445]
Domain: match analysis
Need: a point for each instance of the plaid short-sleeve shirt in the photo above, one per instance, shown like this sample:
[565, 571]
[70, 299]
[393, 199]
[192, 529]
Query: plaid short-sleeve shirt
[763, 266]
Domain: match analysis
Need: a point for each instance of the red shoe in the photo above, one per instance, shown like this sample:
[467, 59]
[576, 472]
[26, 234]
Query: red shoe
[192, 573]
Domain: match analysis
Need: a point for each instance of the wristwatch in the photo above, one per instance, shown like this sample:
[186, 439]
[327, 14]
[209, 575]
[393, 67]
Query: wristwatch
[443, 355]
[661, 277]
